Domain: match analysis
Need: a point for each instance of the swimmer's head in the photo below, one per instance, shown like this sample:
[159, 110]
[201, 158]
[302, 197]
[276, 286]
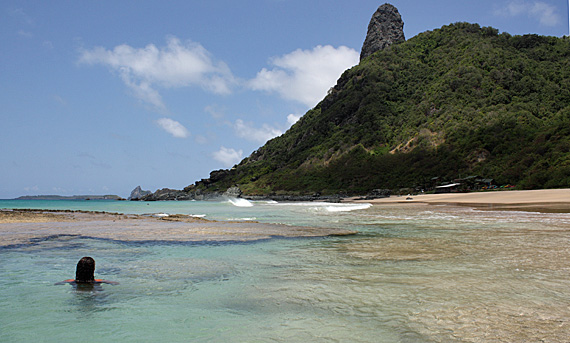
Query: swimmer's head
[85, 271]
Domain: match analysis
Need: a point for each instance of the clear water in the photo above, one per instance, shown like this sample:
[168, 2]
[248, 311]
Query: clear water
[413, 274]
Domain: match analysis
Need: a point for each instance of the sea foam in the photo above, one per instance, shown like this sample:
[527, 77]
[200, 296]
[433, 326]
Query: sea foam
[348, 207]
[240, 202]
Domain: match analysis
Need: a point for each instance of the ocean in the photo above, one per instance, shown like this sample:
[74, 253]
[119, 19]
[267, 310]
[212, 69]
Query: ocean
[413, 273]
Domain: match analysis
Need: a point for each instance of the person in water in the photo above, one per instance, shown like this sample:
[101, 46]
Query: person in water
[85, 274]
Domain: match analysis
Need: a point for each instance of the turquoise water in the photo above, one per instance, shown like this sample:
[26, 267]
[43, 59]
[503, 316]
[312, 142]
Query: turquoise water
[413, 274]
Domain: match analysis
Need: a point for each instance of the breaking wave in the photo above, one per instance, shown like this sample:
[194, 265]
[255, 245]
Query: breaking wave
[239, 202]
[347, 207]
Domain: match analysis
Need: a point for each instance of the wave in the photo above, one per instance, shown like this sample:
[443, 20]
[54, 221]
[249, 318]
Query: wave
[347, 207]
[239, 202]
[327, 206]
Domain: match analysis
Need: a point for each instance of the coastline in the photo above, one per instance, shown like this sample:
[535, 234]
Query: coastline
[19, 227]
[544, 200]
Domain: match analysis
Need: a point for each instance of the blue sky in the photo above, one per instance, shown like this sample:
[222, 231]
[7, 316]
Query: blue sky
[99, 97]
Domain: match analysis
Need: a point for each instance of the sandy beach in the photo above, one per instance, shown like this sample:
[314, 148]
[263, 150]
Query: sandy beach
[28, 226]
[547, 200]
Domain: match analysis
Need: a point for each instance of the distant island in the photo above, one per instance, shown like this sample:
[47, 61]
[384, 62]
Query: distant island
[70, 197]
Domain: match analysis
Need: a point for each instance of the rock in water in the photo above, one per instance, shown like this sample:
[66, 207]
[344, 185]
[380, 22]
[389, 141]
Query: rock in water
[386, 28]
[138, 193]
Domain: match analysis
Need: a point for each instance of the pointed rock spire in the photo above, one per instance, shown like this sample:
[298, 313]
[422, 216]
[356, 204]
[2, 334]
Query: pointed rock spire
[386, 28]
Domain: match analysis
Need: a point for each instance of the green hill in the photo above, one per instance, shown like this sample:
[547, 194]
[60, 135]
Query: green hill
[457, 101]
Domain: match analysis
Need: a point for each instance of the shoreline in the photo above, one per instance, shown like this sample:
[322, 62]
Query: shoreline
[21, 227]
[544, 200]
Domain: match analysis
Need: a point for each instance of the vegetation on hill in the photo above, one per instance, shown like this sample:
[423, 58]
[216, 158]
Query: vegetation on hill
[457, 101]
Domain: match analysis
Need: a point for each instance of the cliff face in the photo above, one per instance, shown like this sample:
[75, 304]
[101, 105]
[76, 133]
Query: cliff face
[386, 28]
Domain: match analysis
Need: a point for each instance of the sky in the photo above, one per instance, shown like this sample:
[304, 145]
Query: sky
[99, 97]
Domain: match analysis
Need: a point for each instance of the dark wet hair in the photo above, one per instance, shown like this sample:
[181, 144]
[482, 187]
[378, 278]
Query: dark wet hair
[85, 271]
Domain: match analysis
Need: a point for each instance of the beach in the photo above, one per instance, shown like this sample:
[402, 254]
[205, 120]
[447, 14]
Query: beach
[22, 226]
[546, 200]
[435, 268]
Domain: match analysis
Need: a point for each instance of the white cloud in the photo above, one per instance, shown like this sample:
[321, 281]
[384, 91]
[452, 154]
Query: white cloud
[293, 118]
[59, 100]
[215, 112]
[251, 133]
[22, 16]
[32, 189]
[25, 34]
[175, 65]
[305, 76]
[173, 127]
[228, 157]
[200, 139]
[545, 13]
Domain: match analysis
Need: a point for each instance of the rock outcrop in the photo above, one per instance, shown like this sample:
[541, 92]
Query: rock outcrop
[138, 193]
[233, 192]
[167, 194]
[378, 194]
[386, 28]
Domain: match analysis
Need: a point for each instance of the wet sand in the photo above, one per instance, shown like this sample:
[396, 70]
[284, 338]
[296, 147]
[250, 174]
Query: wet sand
[546, 200]
[28, 226]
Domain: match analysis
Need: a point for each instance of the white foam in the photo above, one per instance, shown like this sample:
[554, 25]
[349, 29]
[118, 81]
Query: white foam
[327, 206]
[239, 202]
[347, 207]
[303, 204]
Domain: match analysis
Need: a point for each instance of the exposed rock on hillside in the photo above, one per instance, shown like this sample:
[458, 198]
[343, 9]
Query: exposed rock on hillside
[386, 28]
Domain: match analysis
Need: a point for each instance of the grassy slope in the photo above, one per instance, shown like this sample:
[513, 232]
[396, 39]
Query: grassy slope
[452, 102]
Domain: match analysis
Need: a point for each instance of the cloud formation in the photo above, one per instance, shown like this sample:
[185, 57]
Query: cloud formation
[545, 13]
[251, 133]
[175, 65]
[293, 118]
[173, 127]
[228, 157]
[305, 76]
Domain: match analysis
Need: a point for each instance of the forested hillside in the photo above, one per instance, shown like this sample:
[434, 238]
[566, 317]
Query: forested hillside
[457, 101]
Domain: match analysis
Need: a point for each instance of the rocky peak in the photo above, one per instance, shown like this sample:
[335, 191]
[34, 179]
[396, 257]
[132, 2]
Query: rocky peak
[138, 193]
[386, 27]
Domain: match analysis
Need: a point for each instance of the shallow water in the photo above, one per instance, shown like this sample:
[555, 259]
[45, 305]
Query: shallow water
[414, 274]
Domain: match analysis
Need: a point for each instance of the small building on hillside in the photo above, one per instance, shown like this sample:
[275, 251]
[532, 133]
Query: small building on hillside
[476, 182]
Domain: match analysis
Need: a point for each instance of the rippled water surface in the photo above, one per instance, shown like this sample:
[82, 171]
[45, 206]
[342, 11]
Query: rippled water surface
[416, 273]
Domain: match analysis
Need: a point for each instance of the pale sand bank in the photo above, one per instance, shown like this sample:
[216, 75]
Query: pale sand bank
[25, 226]
[547, 200]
